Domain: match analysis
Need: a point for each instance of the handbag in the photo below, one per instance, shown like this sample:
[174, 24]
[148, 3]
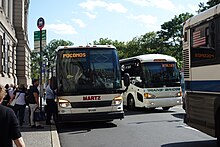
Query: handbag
[39, 115]
[14, 100]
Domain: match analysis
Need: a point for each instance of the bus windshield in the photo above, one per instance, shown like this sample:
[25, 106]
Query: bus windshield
[158, 74]
[87, 71]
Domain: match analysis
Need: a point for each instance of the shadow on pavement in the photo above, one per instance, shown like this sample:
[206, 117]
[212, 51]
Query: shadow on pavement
[139, 111]
[208, 143]
[27, 128]
[178, 115]
[77, 128]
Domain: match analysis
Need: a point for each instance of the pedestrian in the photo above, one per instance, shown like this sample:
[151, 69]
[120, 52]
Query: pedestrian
[9, 125]
[7, 96]
[11, 90]
[51, 104]
[20, 104]
[34, 103]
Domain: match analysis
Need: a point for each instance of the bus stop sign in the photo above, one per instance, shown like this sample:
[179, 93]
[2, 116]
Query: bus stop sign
[40, 23]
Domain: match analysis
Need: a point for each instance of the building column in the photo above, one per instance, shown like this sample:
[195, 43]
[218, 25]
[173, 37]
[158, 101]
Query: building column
[10, 11]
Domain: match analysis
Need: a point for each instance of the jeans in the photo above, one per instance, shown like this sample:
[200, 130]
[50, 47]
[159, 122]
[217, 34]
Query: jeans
[20, 112]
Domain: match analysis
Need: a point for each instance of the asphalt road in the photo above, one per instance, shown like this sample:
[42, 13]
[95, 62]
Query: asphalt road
[141, 128]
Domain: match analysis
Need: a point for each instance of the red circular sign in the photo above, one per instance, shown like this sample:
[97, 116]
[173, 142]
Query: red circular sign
[40, 23]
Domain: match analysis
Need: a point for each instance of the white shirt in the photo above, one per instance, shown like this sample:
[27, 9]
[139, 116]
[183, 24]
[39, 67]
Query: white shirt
[20, 98]
[11, 91]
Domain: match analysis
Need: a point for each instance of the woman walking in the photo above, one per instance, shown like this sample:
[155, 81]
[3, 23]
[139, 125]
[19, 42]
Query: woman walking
[20, 103]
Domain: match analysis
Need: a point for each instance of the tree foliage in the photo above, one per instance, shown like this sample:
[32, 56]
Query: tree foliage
[49, 55]
[209, 4]
[171, 34]
[35, 66]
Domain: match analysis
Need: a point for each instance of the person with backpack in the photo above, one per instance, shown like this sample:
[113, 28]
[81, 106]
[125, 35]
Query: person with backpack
[20, 104]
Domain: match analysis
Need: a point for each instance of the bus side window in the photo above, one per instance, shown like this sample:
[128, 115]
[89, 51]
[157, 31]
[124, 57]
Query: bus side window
[139, 77]
[185, 36]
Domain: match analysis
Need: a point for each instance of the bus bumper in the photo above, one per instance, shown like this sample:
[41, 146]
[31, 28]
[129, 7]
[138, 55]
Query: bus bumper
[86, 117]
[162, 102]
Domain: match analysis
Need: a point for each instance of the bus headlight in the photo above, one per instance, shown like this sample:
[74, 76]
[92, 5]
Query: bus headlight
[179, 94]
[117, 101]
[149, 96]
[64, 103]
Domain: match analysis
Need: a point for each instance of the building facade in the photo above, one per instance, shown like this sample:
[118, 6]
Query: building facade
[14, 44]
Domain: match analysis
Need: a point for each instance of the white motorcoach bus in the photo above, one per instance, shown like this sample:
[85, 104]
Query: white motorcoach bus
[201, 55]
[155, 81]
[88, 81]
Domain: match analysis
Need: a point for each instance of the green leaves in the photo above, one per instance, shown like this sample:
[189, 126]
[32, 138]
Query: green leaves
[49, 55]
[209, 4]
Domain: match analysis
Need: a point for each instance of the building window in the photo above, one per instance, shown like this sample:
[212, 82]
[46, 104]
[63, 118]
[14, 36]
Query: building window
[1, 54]
[6, 58]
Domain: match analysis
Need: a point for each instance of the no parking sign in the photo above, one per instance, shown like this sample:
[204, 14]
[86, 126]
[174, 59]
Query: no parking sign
[40, 23]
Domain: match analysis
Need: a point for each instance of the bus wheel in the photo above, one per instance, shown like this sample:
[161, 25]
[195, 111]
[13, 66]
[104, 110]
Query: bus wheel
[131, 103]
[166, 108]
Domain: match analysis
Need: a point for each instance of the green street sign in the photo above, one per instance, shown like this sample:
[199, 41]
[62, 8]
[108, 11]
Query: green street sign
[37, 35]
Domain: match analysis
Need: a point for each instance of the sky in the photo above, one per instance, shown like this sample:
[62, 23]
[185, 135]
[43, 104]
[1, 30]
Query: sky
[84, 21]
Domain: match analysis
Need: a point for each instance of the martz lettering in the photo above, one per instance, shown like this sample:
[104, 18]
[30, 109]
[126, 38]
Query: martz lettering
[91, 98]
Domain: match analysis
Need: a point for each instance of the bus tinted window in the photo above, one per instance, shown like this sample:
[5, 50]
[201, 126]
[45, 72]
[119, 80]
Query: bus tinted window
[203, 44]
[160, 74]
[83, 71]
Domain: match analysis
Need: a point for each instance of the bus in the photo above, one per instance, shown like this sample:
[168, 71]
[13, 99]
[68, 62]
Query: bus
[155, 81]
[88, 81]
[201, 56]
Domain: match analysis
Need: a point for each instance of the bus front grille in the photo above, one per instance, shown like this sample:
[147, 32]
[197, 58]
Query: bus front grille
[91, 104]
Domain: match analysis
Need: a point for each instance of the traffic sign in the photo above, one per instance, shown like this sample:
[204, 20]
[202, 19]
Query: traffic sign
[37, 40]
[40, 23]
[37, 35]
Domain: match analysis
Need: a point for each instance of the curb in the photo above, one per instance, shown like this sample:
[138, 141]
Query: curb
[54, 136]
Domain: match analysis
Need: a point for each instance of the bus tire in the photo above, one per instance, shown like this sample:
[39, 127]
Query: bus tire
[131, 103]
[166, 108]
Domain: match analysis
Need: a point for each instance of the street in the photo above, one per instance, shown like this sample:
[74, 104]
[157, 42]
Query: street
[140, 128]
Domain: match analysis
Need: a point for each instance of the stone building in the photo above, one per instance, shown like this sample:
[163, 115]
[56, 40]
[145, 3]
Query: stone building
[14, 45]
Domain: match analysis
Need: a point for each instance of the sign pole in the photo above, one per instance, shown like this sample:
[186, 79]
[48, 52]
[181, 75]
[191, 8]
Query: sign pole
[40, 25]
[41, 89]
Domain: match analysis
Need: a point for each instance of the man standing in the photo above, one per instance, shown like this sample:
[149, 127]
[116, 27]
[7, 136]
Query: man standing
[51, 104]
[34, 103]
[9, 129]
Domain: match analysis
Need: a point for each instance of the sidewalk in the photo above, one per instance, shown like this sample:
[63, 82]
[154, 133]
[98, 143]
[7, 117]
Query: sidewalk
[46, 137]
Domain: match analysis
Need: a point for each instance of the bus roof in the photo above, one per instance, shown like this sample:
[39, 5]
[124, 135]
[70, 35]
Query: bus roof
[86, 46]
[151, 58]
[203, 16]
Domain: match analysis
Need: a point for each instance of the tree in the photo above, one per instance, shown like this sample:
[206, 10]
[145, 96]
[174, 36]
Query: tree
[209, 4]
[120, 46]
[171, 35]
[145, 44]
[49, 53]
[35, 66]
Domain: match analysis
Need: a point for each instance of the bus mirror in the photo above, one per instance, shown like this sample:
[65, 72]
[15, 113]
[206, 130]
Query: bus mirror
[126, 79]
